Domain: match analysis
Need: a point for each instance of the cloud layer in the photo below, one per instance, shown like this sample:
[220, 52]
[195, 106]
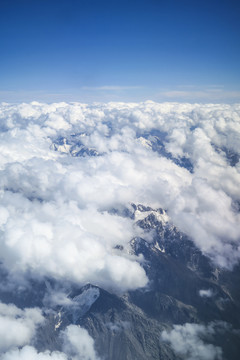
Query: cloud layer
[64, 167]
[190, 341]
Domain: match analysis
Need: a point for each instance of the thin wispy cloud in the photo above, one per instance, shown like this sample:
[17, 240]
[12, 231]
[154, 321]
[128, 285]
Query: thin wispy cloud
[210, 93]
[112, 87]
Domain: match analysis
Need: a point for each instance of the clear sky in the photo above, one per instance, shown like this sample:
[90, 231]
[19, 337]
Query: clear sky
[93, 50]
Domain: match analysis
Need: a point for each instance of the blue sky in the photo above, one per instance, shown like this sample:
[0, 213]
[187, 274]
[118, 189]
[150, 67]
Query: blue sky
[92, 50]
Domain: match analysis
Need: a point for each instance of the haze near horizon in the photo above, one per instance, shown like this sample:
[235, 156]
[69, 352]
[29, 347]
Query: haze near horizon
[92, 50]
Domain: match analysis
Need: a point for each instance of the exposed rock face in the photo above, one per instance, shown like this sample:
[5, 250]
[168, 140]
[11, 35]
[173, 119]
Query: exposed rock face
[184, 287]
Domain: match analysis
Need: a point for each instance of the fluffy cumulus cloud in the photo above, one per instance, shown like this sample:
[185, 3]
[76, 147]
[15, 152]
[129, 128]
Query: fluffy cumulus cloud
[65, 167]
[17, 327]
[77, 345]
[191, 341]
[30, 353]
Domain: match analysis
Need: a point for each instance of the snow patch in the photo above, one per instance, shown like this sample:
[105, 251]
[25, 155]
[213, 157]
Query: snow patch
[64, 148]
[158, 247]
[59, 321]
[146, 143]
[161, 217]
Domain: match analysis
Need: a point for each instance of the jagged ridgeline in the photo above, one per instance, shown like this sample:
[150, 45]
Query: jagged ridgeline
[120, 231]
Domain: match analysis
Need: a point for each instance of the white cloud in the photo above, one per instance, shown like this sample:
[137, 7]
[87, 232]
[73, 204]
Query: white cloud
[30, 353]
[63, 241]
[17, 327]
[78, 343]
[54, 207]
[18, 331]
[112, 87]
[206, 293]
[191, 341]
